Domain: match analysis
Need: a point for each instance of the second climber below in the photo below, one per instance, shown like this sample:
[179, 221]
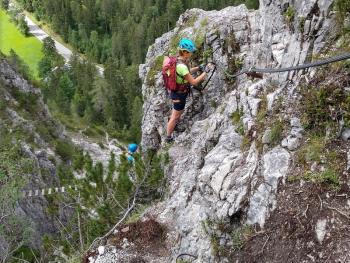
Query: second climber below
[184, 79]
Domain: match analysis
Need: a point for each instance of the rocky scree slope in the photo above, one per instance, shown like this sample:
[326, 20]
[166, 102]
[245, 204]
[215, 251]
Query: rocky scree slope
[257, 172]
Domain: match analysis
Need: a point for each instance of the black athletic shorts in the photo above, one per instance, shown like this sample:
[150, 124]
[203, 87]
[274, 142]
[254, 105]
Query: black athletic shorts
[179, 106]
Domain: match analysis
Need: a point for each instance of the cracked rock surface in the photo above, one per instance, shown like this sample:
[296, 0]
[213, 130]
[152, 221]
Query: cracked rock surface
[214, 172]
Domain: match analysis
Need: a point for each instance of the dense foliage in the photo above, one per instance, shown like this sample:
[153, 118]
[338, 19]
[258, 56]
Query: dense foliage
[117, 28]
[104, 197]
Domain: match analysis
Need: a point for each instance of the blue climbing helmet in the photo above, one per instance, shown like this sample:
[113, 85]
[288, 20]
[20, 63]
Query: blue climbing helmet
[187, 44]
[132, 147]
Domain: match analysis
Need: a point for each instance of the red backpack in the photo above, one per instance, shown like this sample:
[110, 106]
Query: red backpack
[169, 74]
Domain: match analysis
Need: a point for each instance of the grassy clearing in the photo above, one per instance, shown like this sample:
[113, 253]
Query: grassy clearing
[27, 48]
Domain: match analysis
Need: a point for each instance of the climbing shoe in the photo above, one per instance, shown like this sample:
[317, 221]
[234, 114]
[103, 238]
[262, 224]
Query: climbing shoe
[169, 139]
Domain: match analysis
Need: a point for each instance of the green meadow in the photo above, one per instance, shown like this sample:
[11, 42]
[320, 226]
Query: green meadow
[28, 48]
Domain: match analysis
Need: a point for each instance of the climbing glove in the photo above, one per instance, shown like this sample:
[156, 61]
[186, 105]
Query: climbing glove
[201, 67]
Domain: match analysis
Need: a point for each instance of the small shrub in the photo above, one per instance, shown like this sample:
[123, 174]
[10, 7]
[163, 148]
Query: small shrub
[236, 120]
[44, 131]
[237, 63]
[207, 54]
[321, 106]
[64, 149]
[213, 103]
[262, 113]
[218, 229]
[136, 215]
[293, 178]
[215, 245]
[276, 132]
[289, 15]
[199, 40]
[240, 128]
[78, 161]
[27, 101]
[240, 236]
[204, 22]
[302, 24]
[65, 174]
[236, 116]
[312, 151]
[329, 176]
[155, 68]
[246, 141]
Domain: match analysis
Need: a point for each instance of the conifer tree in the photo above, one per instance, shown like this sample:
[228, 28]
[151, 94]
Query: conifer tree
[136, 118]
[22, 25]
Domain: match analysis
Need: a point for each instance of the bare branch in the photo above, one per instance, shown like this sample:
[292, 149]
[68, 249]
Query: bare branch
[340, 212]
[304, 213]
[116, 225]
[116, 201]
[321, 203]
[262, 250]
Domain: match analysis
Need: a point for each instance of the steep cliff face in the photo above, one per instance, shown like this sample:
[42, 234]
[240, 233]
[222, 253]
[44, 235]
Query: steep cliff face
[231, 195]
[31, 134]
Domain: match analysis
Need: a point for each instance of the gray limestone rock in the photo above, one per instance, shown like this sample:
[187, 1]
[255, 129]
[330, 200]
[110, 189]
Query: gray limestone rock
[216, 173]
[266, 139]
[345, 135]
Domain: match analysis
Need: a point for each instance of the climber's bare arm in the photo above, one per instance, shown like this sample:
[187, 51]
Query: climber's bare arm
[195, 81]
[193, 70]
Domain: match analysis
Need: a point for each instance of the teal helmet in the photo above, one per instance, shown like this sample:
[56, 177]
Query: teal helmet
[187, 44]
[130, 159]
[132, 147]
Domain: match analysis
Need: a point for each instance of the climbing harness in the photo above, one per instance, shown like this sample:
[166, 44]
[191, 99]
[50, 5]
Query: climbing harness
[253, 70]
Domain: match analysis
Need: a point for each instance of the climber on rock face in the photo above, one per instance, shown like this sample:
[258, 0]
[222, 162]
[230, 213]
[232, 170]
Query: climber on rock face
[184, 81]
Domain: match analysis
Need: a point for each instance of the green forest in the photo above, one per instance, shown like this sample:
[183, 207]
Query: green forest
[117, 34]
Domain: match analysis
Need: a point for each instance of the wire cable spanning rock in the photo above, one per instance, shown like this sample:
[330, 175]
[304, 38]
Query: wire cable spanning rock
[298, 67]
